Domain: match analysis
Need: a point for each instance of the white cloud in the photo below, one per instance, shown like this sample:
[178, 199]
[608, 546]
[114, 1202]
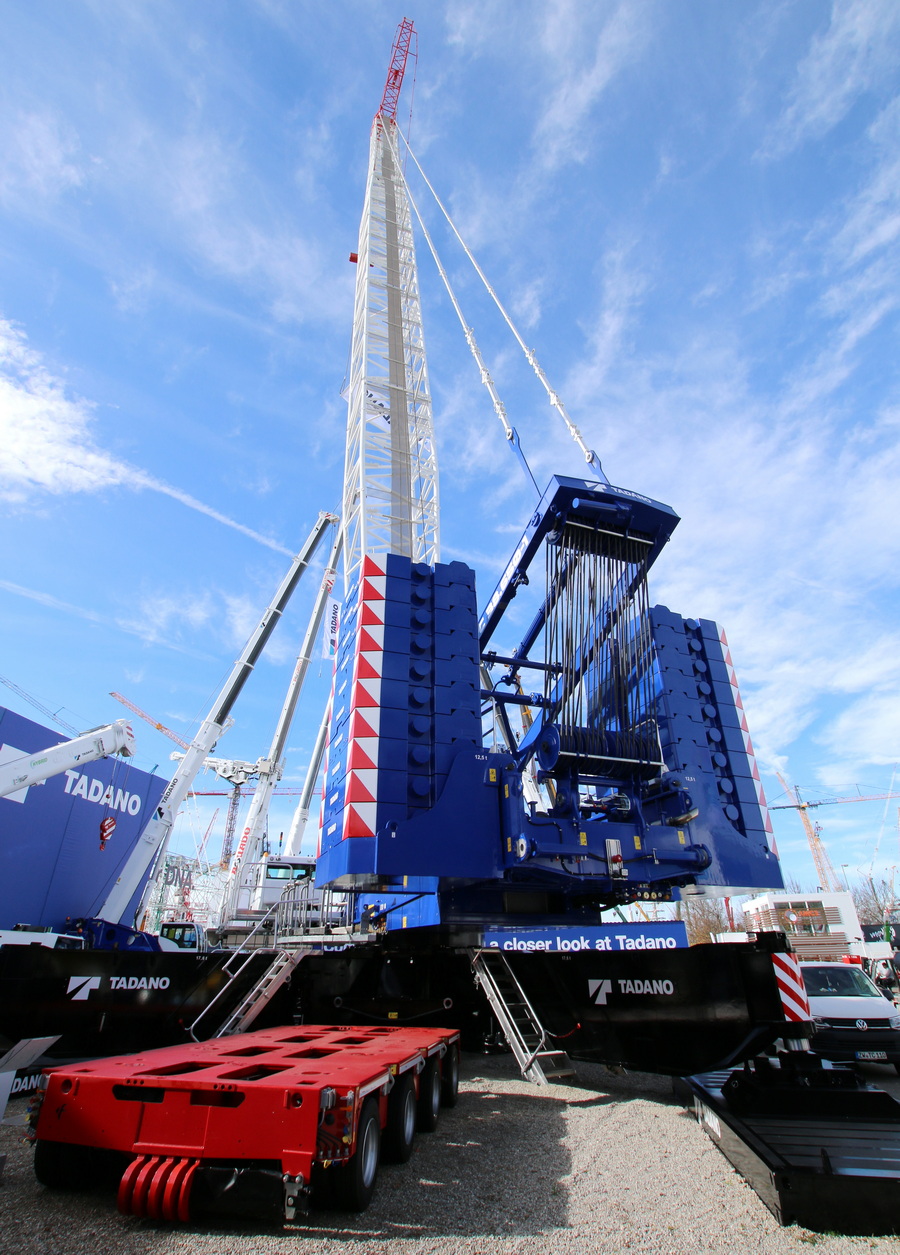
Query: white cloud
[46, 443]
[583, 66]
[161, 617]
[40, 157]
[204, 192]
[472, 25]
[856, 53]
[871, 726]
[874, 220]
[526, 304]
[790, 534]
[143, 627]
[53, 603]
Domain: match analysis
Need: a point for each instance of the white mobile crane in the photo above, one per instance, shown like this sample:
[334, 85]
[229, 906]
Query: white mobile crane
[154, 839]
[112, 738]
[270, 769]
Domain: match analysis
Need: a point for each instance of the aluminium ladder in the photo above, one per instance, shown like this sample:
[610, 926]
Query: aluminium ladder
[526, 1036]
[277, 966]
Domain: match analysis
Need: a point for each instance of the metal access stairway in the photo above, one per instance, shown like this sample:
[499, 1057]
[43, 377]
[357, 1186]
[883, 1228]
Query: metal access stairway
[254, 976]
[526, 1036]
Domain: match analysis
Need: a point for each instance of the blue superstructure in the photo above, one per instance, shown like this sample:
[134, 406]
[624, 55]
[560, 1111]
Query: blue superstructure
[635, 735]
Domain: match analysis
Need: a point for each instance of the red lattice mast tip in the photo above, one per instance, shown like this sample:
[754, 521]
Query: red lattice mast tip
[399, 55]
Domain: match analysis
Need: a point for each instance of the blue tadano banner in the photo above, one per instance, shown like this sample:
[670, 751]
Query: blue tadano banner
[672, 935]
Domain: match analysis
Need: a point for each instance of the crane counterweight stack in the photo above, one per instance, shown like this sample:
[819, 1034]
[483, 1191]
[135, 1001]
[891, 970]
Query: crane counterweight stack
[632, 778]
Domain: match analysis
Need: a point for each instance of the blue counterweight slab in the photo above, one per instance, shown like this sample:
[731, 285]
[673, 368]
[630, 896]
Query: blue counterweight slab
[404, 634]
[705, 740]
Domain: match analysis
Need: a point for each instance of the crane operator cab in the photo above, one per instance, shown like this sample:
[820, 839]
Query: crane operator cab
[182, 934]
[281, 873]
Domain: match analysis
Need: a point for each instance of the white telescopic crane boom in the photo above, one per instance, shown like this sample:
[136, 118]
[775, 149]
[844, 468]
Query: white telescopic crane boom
[112, 738]
[301, 814]
[154, 838]
[271, 768]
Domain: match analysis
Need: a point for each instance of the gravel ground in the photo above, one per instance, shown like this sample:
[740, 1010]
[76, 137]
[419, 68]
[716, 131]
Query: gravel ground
[607, 1164]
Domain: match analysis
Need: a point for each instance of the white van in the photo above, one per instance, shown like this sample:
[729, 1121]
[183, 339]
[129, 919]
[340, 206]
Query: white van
[855, 1021]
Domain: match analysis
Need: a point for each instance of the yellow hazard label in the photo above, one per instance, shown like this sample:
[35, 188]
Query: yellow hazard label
[582, 838]
[404, 922]
[506, 790]
[405, 881]
[637, 843]
[492, 775]
[509, 845]
[681, 840]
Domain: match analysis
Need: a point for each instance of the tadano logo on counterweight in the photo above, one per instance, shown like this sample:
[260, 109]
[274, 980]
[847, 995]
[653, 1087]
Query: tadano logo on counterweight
[599, 990]
[81, 987]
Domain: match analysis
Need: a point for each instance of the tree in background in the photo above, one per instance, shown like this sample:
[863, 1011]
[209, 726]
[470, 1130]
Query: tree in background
[703, 917]
[873, 899]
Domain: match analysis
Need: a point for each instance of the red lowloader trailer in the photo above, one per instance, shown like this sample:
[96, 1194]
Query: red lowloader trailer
[259, 1123]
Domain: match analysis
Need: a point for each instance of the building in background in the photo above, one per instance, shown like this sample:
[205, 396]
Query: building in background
[820, 926]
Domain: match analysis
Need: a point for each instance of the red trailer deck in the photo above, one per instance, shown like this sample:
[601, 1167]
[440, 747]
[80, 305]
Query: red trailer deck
[254, 1123]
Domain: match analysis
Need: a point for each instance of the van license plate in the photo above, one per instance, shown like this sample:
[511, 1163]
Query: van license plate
[873, 1056]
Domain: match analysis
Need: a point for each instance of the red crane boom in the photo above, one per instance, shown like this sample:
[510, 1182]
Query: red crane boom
[399, 56]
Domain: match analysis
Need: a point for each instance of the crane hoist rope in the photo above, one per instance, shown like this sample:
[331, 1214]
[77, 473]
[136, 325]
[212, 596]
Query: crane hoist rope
[499, 408]
[555, 400]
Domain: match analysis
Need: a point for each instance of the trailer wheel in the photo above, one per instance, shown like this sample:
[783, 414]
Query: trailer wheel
[429, 1105]
[62, 1166]
[354, 1184]
[400, 1130]
[450, 1078]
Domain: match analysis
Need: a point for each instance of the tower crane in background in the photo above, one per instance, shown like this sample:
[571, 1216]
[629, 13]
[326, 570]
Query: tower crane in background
[33, 701]
[826, 801]
[237, 773]
[201, 850]
[234, 805]
[828, 878]
[824, 870]
[160, 727]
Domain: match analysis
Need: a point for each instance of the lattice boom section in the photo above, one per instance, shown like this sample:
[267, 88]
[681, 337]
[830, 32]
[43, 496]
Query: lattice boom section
[390, 492]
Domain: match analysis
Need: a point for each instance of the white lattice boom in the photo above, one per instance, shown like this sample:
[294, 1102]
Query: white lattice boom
[390, 472]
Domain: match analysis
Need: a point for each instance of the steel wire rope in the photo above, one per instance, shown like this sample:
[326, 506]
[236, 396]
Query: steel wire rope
[555, 400]
[486, 378]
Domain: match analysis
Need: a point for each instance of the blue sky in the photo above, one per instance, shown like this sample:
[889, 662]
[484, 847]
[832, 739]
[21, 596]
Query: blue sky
[693, 212]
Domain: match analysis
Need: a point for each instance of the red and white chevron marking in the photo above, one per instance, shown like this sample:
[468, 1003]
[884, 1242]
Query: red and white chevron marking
[791, 989]
[748, 744]
[361, 796]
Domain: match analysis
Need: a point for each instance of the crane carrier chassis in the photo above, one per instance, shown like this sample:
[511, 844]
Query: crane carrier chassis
[265, 1123]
